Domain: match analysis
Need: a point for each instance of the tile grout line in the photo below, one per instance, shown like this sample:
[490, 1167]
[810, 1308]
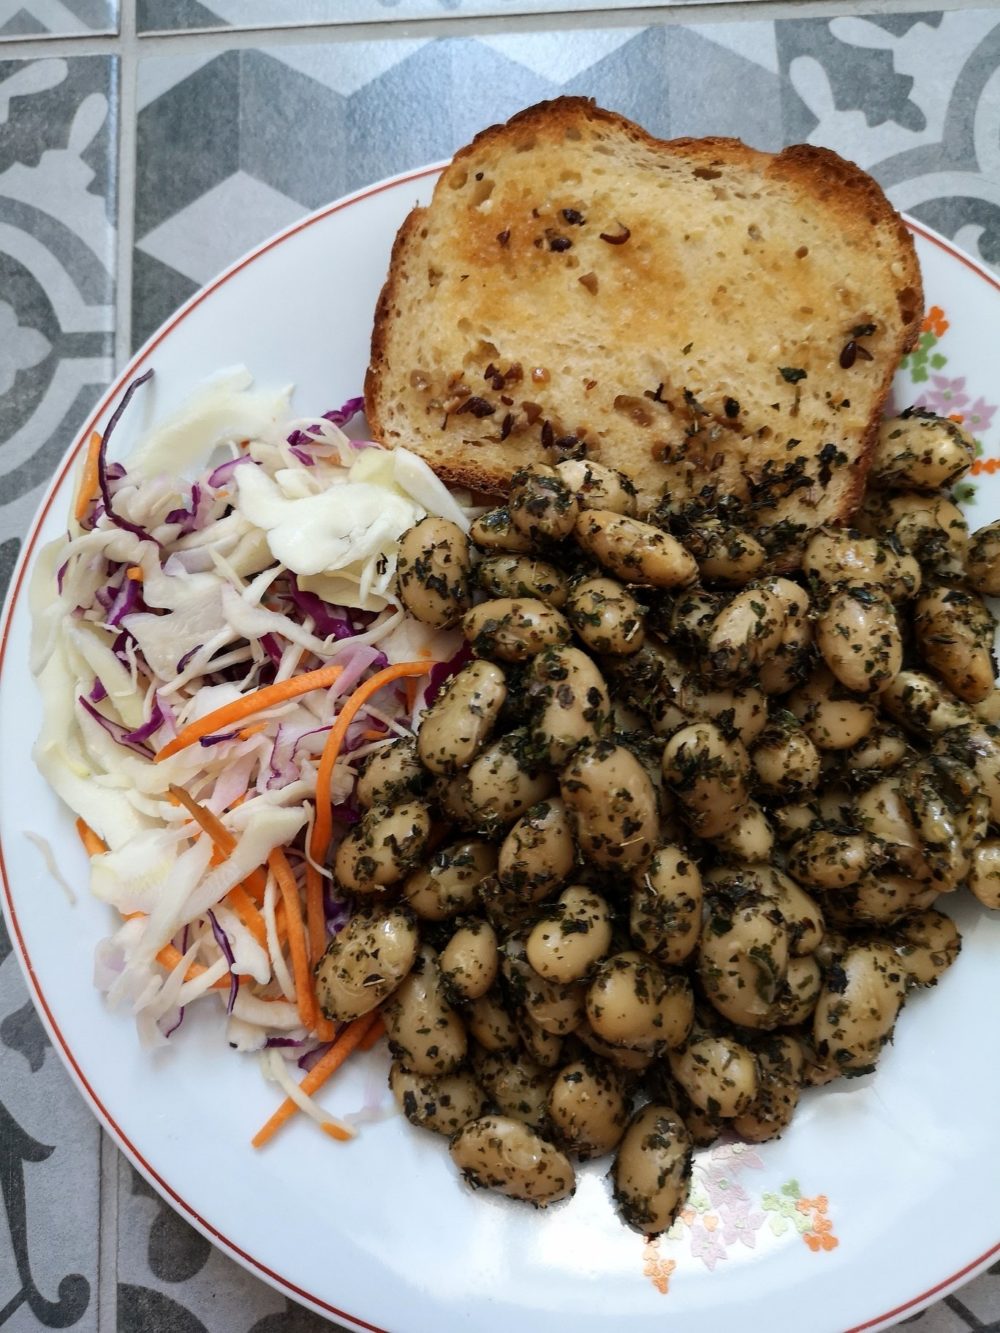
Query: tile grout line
[128, 56]
[107, 1239]
[470, 25]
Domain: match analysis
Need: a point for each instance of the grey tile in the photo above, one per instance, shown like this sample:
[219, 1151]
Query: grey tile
[50, 1167]
[171, 1280]
[185, 15]
[58, 162]
[57, 18]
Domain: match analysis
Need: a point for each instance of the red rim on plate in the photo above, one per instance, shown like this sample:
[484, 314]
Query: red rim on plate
[27, 551]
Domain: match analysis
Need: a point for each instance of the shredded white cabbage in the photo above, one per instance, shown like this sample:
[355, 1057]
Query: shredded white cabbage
[271, 551]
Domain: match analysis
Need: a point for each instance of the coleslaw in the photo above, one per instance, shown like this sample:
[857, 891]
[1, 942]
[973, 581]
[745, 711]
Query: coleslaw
[238, 555]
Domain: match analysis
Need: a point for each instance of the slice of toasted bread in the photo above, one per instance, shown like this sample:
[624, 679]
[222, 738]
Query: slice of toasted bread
[688, 311]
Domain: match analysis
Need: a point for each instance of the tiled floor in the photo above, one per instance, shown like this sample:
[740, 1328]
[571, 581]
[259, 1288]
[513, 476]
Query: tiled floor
[156, 161]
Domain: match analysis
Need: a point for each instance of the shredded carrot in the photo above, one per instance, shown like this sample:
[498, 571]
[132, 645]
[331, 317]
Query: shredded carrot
[254, 729]
[373, 1035]
[92, 844]
[134, 572]
[315, 921]
[256, 882]
[247, 705]
[246, 909]
[89, 480]
[169, 956]
[323, 823]
[278, 862]
[322, 1070]
[374, 734]
[316, 930]
[411, 695]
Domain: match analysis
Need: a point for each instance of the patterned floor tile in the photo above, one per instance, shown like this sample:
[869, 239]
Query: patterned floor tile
[48, 1237]
[192, 15]
[910, 97]
[57, 237]
[171, 1280]
[56, 18]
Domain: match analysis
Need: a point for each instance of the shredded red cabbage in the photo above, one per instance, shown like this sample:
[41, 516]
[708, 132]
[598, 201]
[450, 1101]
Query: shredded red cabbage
[115, 471]
[272, 647]
[223, 473]
[330, 621]
[187, 657]
[114, 729]
[441, 672]
[127, 599]
[103, 479]
[222, 940]
[98, 692]
[306, 459]
[218, 738]
[180, 1015]
[339, 416]
[336, 912]
[286, 1041]
[154, 723]
[347, 812]
[190, 519]
[60, 576]
[306, 1062]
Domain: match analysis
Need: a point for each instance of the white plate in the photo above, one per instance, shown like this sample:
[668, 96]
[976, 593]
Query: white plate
[879, 1198]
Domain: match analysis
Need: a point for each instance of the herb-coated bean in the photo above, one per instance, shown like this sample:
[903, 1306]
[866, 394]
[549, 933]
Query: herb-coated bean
[982, 561]
[425, 1033]
[954, 633]
[779, 1060]
[926, 944]
[541, 505]
[494, 531]
[719, 1074]
[514, 628]
[784, 760]
[625, 1003]
[392, 774]
[743, 956]
[500, 783]
[588, 1109]
[612, 805]
[750, 839]
[378, 851]
[545, 1048]
[745, 632]
[633, 551]
[365, 962]
[858, 635]
[984, 877]
[470, 960]
[498, 1153]
[709, 773]
[606, 617]
[931, 527]
[523, 576]
[665, 905]
[442, 1105]
[517, 1086]
[538, 852]
[459, 721]
[857, 1008]
[832, 860]
[799, 992]
[598, 487]
[920, 451]
[831, 716]
[788, 664]
[838, 555]
[433, 571]
[572, 701]
[491, 1023]
[447, 885]
[571, 936]
[652, 1171]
